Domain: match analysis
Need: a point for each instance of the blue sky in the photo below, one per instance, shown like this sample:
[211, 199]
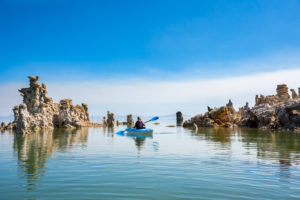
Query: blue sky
[94, 39]
[81, 41]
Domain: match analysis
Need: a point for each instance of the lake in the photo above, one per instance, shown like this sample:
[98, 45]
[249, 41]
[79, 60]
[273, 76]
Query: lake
[175, 163]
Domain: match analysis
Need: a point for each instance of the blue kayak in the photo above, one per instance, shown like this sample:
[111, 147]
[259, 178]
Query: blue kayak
[133, 131]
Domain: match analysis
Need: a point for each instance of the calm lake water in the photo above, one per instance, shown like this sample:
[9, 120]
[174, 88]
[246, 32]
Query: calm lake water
[176, 163]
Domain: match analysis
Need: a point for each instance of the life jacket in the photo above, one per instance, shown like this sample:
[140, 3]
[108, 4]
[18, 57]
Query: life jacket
[139, 125]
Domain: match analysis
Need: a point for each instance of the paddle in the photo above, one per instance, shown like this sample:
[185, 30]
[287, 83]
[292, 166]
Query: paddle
[151, 120]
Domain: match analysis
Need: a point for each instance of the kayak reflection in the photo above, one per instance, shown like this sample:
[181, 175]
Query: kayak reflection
[138, 136]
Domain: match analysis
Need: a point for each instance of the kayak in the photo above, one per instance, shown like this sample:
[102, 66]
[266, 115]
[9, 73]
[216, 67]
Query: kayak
[133, 131]
[138, 133]
[147, 132]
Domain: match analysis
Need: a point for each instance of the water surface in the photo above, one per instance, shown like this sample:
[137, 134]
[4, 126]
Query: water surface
[175, 163]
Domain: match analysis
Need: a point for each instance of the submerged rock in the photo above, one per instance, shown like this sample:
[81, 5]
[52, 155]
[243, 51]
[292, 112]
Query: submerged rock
[39, 111]
[171, 126]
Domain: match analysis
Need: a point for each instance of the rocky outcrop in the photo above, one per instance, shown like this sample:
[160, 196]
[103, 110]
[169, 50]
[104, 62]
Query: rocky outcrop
[130, 121]
[70, 115]
[280, 111]
[294, 94]
[3, 127]
[104, 121]
[39, 111]
[281, 96]
[283, 92]
[10, 127]
[283, 115]
[243, 111]
[179, 118]
[110, 119]
[225, 116]
[121, 123]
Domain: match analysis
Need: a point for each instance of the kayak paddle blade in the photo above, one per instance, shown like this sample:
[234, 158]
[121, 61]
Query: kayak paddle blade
[154, 118]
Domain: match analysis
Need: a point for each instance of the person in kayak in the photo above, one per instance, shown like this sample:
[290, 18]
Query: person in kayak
[139, 124]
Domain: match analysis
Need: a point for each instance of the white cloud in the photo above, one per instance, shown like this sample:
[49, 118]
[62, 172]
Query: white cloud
[163, 97]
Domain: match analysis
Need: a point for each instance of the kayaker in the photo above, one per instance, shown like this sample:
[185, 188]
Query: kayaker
[139, 124]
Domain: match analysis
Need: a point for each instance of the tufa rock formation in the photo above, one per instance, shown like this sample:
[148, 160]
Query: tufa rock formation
[281, 96]
[39, 111]
[274, 112]
[225, 116]
[121, 123]
[278, 111]
[283, 92]
[104, 121]
[294, 94]
[130, 121]
[179, 118]
[70, 115]
[3, 127]
[110, 119]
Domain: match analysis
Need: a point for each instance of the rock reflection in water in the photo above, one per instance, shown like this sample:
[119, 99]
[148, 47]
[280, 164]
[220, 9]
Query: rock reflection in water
[281, 146]
[220, 136]
[109, 131]
[270, 145]
[32, 150]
